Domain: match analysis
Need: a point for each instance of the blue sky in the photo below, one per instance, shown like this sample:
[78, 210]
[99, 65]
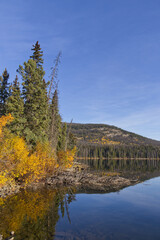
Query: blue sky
[110, 66]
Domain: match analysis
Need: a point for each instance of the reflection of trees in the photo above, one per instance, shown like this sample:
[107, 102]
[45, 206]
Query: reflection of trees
[33, 214]
[121, 165]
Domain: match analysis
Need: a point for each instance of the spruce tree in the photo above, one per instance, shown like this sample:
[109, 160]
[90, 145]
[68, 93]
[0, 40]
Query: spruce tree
[15, 106]
[37, 54]
[4, 92]
[71, 141]
[35, 98]
[55, 123]
[63, 137]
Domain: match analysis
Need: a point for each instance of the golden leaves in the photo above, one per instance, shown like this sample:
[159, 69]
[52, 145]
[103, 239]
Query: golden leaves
[18, 162]
[66, 157]
[3, 121]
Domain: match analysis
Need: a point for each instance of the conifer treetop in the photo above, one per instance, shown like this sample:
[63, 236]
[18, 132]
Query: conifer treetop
[5, 75]
[15, 82]
[4, 91]
[37, 54]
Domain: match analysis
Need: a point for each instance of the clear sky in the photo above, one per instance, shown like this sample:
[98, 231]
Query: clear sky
[110, 66]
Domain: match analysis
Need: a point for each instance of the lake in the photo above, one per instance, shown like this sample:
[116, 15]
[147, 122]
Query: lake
[131, 213]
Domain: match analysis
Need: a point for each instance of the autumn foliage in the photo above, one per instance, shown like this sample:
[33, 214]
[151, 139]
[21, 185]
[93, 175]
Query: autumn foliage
[66, 157]
[30, 210]
[19, 163]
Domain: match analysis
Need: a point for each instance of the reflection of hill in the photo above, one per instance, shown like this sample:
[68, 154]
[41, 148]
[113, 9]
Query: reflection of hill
[33, 214]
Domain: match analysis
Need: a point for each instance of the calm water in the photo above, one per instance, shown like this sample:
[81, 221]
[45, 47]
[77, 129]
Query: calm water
[132, 213]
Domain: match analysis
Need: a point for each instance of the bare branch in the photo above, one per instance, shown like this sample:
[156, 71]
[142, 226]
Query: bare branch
[54, 71]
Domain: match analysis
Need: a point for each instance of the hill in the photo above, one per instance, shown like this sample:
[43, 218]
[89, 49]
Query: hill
[102, 140]
[107, 134]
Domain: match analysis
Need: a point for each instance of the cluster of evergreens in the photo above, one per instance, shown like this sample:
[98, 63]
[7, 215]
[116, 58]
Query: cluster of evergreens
[33, 140]
[35, 111]
[118, 151]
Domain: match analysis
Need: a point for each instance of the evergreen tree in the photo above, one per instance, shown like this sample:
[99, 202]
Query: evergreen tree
[55, 123]
[71, 141]
[37, 54]
[35, 98]
[15, 106]
[4, 92]
[62, 137]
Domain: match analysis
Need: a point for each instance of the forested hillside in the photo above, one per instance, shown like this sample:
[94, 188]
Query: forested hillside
[101, 140]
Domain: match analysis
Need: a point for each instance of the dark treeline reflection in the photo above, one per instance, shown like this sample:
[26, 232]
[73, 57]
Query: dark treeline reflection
[33, 215]
[133, 165]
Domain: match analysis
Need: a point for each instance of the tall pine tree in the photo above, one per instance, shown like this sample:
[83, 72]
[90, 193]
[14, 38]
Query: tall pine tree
[35, 98]
[55, 122]
[15, 106]
[4, 92]
[63, 137]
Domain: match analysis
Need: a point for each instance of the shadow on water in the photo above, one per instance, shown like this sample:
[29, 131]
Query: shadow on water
[33, 214]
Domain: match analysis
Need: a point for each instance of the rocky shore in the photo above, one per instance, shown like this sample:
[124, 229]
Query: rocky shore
[89, 181]
[78, 176]
[83, 180]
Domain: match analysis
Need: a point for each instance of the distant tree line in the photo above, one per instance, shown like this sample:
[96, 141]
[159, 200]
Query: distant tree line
[118, 151]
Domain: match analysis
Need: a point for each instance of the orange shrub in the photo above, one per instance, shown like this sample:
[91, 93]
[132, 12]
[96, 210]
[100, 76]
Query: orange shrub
[40, 163]
[3, 121]
[18, 162]
[66, 158]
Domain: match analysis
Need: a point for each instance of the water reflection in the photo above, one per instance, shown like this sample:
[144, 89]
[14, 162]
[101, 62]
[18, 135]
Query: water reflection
[131, 214]
[45, 214]
[148, 168]
[33, 214]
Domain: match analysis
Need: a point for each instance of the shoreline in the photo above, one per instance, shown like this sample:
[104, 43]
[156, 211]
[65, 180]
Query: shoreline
[90, 181]
[81, 179]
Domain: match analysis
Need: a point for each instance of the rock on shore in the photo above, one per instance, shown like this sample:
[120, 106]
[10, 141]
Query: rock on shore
[90, 181]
